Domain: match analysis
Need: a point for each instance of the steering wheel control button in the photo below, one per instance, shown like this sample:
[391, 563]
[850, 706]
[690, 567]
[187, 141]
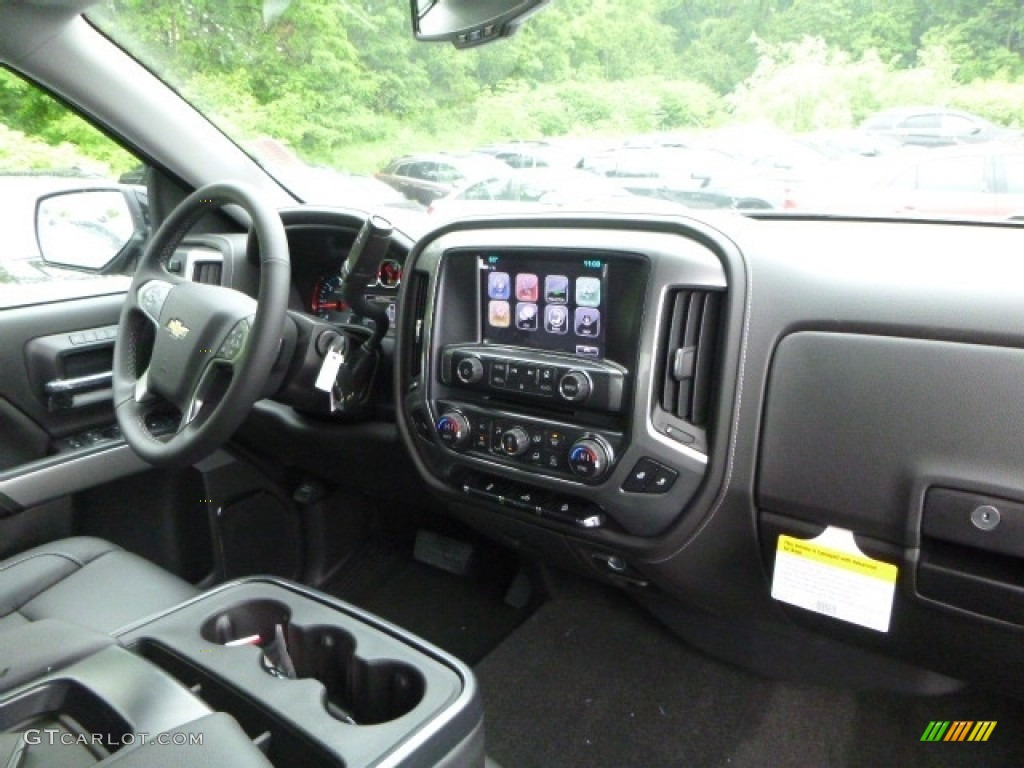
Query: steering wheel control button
[515, 442]
[152, 297]
[235, 341]
[469, 370]
[574, 386]
[453, 429]
[588, 459]
[985, 518]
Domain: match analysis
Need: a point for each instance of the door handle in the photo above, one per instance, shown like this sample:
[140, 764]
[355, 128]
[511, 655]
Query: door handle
[62, 394]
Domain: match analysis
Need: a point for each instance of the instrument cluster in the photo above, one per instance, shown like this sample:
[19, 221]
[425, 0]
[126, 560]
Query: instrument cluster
[326, 301]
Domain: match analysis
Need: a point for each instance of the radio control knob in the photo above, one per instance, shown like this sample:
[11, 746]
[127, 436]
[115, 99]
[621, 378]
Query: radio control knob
[515, 441]
[589, 458]
[574, 386]
[453, 429]
[469, 370]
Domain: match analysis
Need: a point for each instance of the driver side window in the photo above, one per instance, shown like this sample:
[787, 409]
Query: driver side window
[73, 211]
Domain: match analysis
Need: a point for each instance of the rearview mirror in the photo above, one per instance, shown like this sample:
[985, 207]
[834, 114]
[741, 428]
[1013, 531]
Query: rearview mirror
[467, 23]
[84, 228]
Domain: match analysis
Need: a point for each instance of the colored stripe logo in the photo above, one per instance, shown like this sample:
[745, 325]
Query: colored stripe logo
[958, 730]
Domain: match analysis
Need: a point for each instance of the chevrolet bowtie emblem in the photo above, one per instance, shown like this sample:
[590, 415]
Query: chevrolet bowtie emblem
[177, 328]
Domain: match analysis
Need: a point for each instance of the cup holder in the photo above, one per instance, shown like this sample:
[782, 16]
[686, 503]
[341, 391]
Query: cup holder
[358, 692]
[250, 623]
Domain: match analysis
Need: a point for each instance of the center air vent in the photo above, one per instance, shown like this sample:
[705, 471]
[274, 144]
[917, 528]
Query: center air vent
[686, 364]
[207, 272]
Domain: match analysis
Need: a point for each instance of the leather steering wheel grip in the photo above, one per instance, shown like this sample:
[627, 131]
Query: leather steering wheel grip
[175, 336]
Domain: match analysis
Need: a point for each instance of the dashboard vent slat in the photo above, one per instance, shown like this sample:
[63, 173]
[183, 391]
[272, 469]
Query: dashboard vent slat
[707, 346]
[207, 272]
[688, 355]
[418, 291]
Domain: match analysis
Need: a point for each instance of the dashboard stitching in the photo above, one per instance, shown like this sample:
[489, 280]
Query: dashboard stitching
[734, 437]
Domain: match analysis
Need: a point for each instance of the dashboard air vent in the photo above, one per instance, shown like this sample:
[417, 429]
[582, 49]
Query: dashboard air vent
[207, 272]
[418, 306]
[688, 354]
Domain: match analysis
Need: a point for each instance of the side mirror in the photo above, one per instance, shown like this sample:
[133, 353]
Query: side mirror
[468, 23]
[86, 229]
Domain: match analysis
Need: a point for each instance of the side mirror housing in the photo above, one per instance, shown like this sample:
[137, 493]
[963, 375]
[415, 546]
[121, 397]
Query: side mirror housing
[87, 229]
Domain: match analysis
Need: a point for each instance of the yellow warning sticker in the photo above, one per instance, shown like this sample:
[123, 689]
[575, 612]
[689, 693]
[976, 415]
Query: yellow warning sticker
[831, 576]
[857, 563]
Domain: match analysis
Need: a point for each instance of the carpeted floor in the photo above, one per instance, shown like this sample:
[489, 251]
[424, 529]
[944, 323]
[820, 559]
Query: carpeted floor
[593, 681]
[465, 616]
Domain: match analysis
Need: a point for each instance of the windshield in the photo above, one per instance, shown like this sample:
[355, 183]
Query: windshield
[882, 109]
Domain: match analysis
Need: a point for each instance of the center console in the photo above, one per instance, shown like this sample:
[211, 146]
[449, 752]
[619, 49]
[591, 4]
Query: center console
[289, 677]
[561, 373]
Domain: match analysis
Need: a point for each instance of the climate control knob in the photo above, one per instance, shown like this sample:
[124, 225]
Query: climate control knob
[574, 386]
[469, 370]
[453, 429]
[515, 441]
[589, 458]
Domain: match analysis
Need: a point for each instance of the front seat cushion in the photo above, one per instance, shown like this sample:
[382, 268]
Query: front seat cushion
[85, 581]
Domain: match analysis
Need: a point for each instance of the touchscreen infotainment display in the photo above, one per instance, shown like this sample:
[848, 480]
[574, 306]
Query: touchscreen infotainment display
[555, 303]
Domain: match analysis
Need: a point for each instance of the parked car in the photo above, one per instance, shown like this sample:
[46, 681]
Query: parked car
[531, 154]
[425, 178]
[964, 182]
[854, 142]
[538, 189]
[648, 162]
[691, 176]
[933, 126]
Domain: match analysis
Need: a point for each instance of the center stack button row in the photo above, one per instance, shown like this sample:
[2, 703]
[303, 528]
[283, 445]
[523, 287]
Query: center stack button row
[540, 447]
[527, 378]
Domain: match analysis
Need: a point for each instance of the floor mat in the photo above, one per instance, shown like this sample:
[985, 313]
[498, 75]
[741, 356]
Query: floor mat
[465, 616]
[594, 681]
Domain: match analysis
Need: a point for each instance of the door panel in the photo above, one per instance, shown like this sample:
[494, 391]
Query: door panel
[47, 346]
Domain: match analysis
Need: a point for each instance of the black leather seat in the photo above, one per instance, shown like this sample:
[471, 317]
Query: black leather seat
[85, 581]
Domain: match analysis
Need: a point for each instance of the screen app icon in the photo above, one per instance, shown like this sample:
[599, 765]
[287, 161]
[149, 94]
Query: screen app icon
[556, 289]
[556, 318]
[587, 322]
[588, 291]
[498, 285]
[526, 316]
[499, 314]
[527, 288]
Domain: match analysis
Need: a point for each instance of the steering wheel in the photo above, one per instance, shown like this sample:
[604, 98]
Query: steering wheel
[204, 349]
